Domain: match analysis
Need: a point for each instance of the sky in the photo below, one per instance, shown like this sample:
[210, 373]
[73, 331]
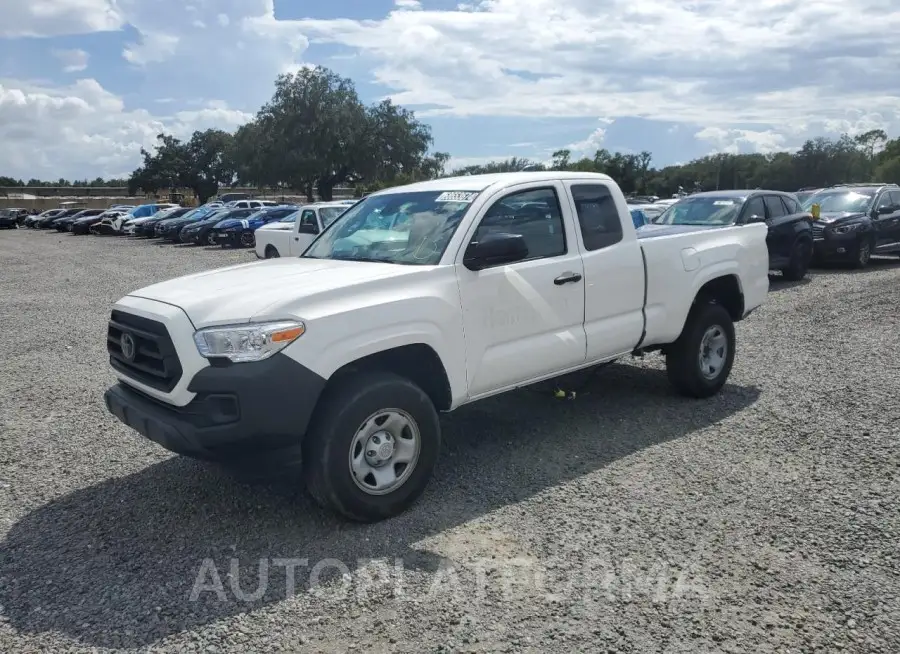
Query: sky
[84, 84]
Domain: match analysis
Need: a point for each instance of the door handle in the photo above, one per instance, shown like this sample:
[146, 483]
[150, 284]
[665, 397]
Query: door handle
[567, 278]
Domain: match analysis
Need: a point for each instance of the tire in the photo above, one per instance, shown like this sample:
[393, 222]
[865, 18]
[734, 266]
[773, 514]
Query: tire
[210, 238]
[271, 252]
[863, 253]
[248, 240]
[683, 359]
[337, 431]
[801, 256]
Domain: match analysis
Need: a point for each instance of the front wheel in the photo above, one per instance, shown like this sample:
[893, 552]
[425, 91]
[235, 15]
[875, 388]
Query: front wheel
[271, 252]
[863, 253]
[798, 266]
[248, 240]
[699, 362]
[371, 447]
[211, 239]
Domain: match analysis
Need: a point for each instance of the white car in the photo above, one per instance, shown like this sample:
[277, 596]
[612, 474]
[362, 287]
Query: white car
[292, 234]
[111, 222]
[421, 299]
[250, 204]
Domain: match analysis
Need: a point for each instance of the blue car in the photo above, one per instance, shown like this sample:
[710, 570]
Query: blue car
[238, 232]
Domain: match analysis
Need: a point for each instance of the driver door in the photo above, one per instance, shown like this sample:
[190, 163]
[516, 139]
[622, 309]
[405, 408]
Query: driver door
[305, 232]
[887, 222]
[525, 319]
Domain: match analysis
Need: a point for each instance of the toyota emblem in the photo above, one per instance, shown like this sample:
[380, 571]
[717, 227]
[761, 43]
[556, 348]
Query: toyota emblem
[128, 346]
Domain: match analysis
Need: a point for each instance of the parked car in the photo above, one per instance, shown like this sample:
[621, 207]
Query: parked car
[31, 221]
[292, 234]
[239, 232]
[85, 224]
[147, 228]
[170, 229]
[17, 215]
[855, 222]
[201, 232]
[790, 237]
[110, 222]
[142, 214]
[336, 364]
[9, 219]
[65, 224]
[47, 221]
[250, 204]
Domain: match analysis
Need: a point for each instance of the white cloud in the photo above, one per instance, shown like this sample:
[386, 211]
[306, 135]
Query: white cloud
[73, 61]
[84, 130]
[737, 141]
[590, 145]
[54, 17]
[779, 64]
[411, 5]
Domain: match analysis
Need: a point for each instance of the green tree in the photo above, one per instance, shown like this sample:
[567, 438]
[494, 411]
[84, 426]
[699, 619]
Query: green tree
[210, 162]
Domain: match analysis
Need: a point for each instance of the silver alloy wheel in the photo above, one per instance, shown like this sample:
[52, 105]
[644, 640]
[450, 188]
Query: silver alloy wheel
[211, 238]
[384, 451]
[713, 351]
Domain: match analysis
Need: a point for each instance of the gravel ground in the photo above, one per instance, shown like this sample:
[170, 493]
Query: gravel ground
[629, 520]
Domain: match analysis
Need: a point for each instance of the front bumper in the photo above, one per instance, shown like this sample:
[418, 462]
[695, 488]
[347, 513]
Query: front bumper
[248, 413]
[229, 238]
[830, 246]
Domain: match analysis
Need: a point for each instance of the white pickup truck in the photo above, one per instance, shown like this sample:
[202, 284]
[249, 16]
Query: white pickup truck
[291, 235]
[417, 300]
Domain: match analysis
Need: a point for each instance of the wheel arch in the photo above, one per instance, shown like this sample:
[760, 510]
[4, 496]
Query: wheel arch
[418, 362]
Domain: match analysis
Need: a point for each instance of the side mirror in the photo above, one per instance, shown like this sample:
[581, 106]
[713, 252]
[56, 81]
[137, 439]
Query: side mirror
[495, 250]
[306, 228]
[756, 219]
[880, 211]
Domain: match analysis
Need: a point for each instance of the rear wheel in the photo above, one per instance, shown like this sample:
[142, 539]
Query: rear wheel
[798, 266]
[699, 362]
[371, 447]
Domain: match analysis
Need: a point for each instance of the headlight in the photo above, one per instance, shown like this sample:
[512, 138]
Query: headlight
[250, 342]
[845, 229]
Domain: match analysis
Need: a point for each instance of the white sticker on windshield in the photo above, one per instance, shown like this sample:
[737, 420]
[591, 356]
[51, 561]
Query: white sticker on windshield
[456, 196]
[723, 203]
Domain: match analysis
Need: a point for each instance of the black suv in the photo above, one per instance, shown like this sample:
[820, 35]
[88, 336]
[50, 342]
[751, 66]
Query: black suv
[789, 240]
[856, 221]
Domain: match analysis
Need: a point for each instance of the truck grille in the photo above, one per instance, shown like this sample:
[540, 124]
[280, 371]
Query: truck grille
[818, 231]
[152, 360]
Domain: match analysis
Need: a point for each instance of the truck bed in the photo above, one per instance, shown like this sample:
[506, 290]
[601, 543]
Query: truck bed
[650, 231]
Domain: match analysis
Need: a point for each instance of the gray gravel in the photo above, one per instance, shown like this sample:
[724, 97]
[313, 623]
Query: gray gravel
[628, 520]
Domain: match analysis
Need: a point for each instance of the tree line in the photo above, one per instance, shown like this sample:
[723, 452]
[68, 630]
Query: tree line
[315, 134]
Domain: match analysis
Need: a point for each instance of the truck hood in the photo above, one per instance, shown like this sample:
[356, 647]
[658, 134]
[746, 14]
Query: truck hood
[278, 226]
[268, 289]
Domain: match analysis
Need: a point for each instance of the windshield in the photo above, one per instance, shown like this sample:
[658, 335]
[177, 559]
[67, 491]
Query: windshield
[839, 201]
[290, 218]
[329, 214]
[701, 211]
[410, 228]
